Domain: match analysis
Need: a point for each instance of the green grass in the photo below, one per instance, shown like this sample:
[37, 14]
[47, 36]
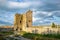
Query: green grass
[22, 32]
[38, 36]
[6, 33]
[3, 34]
[52, 35]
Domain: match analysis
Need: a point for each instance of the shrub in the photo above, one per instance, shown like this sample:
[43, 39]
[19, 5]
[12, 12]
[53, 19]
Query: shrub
[40, 36]
[53, 25]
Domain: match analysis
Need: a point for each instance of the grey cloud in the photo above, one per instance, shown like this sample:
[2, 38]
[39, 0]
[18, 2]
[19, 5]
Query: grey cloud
[44, 16]
[56, 13]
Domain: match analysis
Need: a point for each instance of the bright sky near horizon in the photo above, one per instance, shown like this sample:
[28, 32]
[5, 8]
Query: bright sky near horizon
[44, 11]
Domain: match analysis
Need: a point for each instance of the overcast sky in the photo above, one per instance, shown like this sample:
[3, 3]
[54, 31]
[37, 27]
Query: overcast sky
[44, 11]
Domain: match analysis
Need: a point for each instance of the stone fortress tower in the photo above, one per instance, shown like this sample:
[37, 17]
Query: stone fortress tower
[22, 21]
[18, 22]
[29, 19]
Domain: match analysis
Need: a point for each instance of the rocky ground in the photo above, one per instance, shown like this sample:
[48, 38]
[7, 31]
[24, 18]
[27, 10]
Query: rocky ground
[11, 37]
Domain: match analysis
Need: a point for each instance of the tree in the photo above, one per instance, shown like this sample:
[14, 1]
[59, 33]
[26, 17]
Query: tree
[53, 25]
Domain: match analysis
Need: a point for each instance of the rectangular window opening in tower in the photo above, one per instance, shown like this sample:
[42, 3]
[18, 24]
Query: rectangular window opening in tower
[20, 21]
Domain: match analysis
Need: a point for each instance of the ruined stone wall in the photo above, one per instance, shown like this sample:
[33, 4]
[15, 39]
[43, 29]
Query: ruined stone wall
[43, 30]
[24, 22]
[18, 22]
[29, 18]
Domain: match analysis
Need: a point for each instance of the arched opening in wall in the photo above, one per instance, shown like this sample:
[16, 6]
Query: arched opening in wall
[20, 21]
[21, 29]
[16, 28]
[29, 21]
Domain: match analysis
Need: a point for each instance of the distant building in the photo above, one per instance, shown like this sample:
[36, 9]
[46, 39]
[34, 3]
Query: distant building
[23, 22]
[6, 28]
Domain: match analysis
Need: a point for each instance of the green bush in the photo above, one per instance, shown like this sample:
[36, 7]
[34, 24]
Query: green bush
[53, 25]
